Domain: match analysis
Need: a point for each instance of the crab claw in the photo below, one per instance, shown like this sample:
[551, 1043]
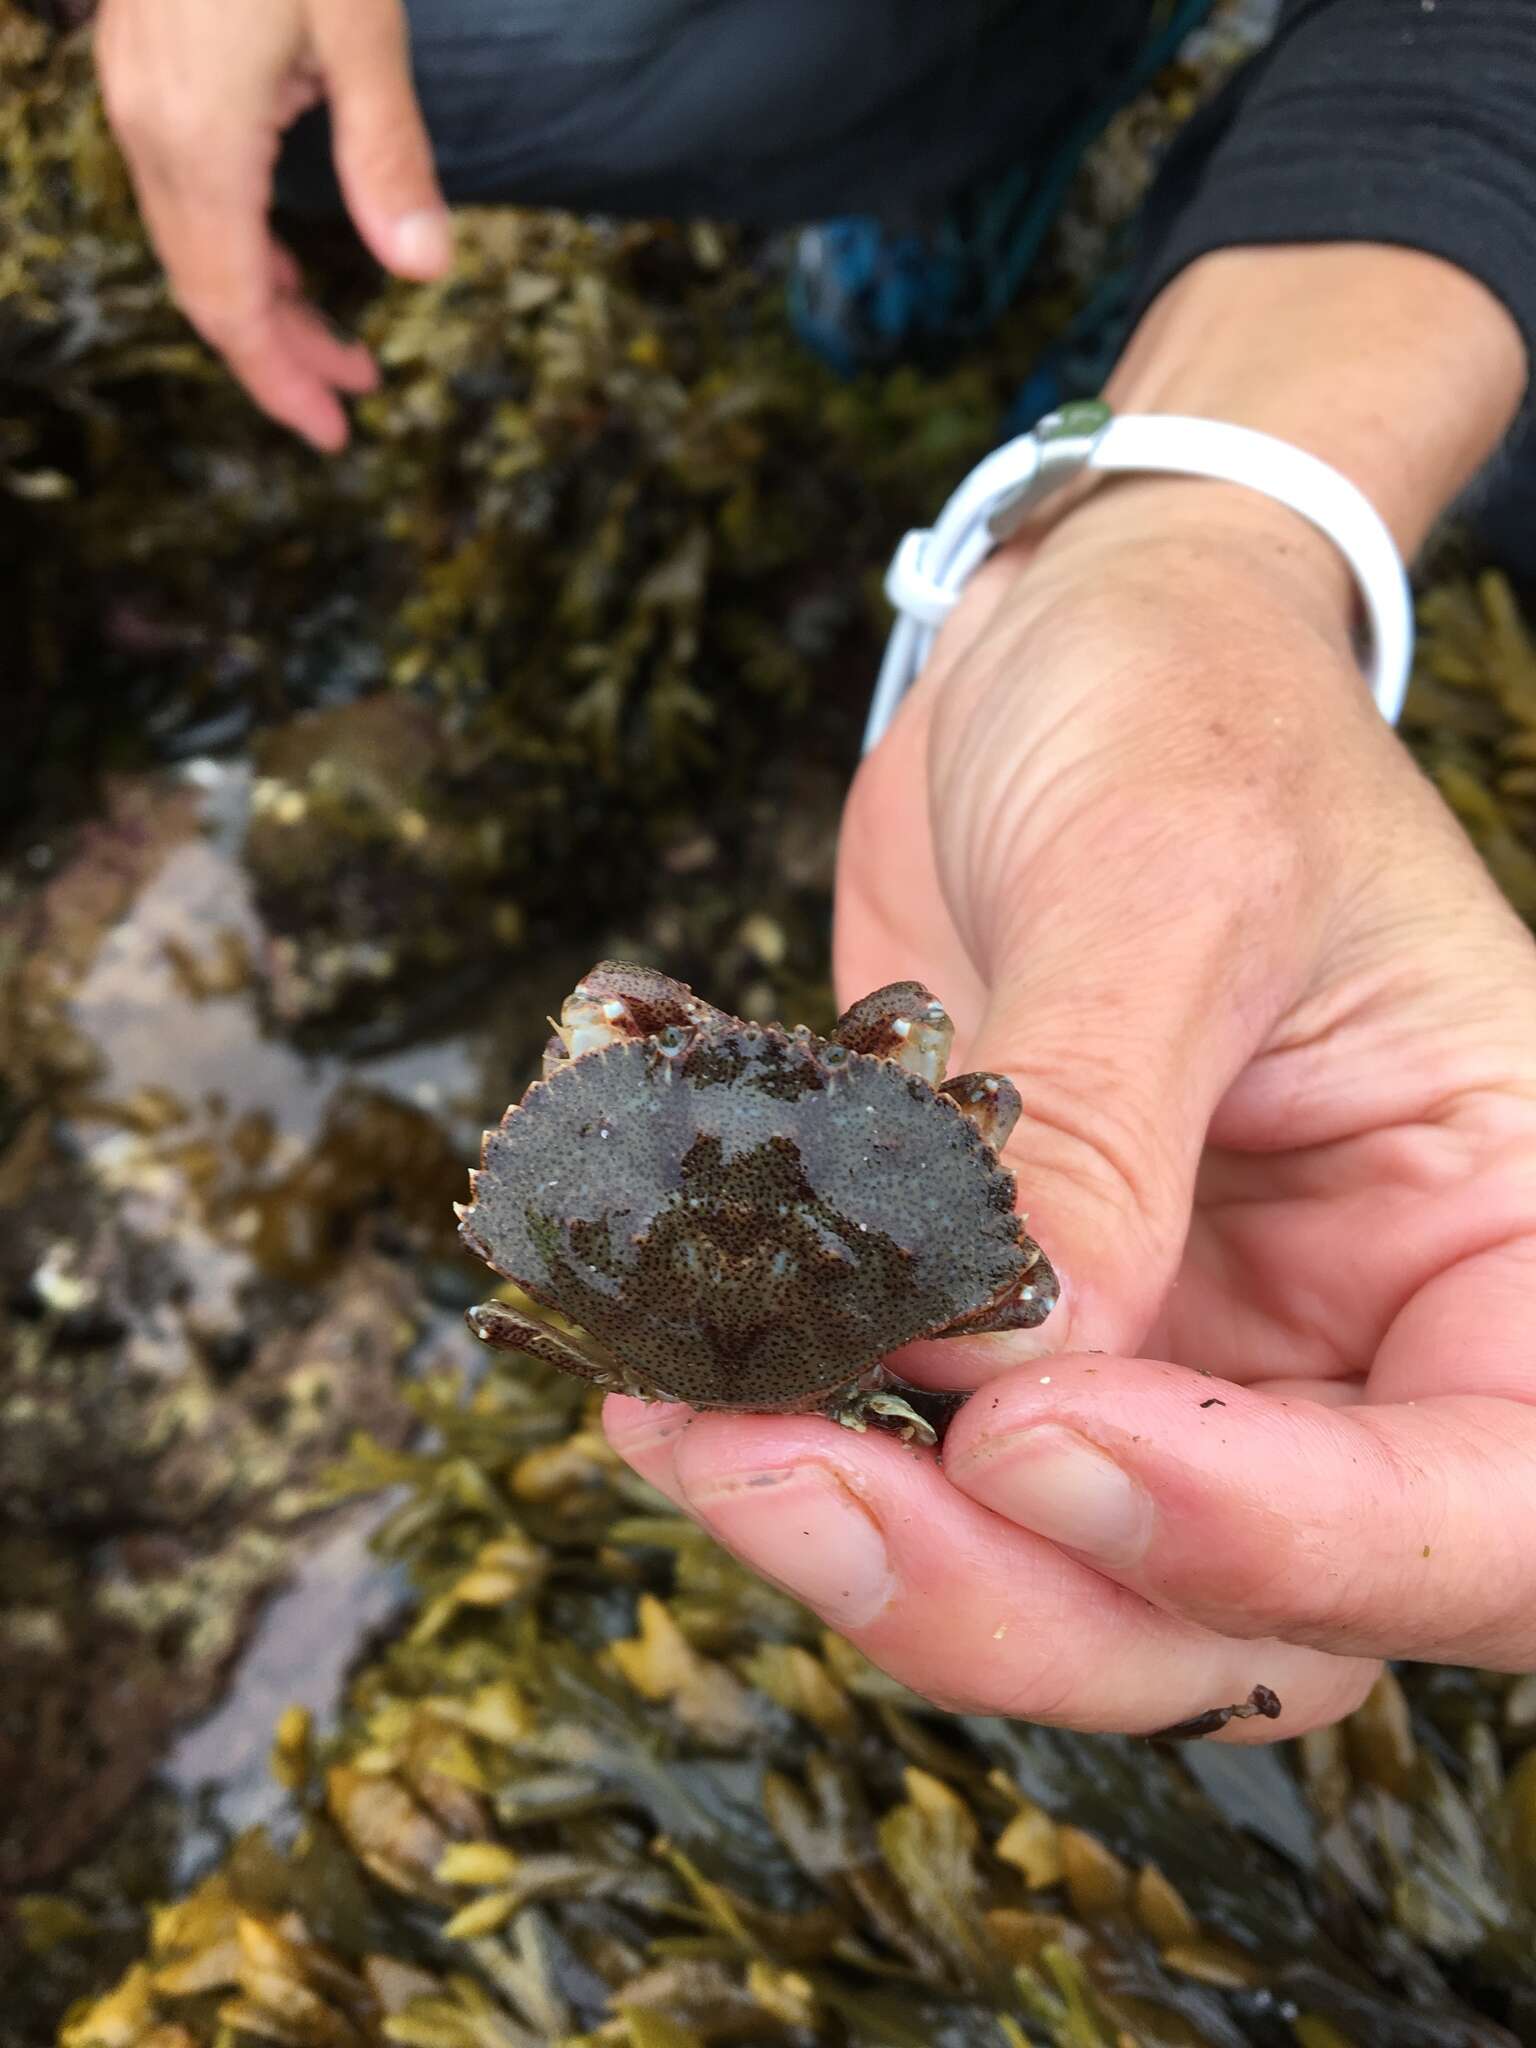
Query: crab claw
[903, 1022]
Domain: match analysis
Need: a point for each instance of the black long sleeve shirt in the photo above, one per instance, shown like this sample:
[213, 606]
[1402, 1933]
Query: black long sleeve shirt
[1407, 121]
[1403, 121]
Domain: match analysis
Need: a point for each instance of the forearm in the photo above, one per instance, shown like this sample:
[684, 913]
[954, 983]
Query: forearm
[1399, 370]
[1402, 371]
[1397, 123]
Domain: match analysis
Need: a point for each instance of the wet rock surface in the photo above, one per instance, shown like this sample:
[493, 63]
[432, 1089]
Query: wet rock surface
[197, 1315]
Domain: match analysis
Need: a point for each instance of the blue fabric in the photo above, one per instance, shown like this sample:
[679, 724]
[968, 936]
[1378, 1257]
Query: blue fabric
[864, 292]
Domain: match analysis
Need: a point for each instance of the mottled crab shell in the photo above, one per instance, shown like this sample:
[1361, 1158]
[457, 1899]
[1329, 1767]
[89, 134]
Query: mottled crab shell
[744, 1217]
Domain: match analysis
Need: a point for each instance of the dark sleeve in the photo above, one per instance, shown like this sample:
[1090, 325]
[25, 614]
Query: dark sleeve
[1407, 121]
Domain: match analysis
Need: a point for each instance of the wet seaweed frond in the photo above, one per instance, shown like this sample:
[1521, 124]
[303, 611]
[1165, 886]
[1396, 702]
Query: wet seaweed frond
[606, 1786]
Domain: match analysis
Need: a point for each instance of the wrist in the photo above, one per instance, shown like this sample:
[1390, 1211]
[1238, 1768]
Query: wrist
[1152, 610]
[1209, 547]
[1162, 703]
[1310, 372]
[1396, 368]
[1197, 554]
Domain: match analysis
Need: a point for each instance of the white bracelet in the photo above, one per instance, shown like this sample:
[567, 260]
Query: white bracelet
[931, 566]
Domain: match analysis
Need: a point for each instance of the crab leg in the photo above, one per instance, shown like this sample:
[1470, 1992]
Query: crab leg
[498, 1323]
[879, 1397]
[988, 1102]
[904, 1023]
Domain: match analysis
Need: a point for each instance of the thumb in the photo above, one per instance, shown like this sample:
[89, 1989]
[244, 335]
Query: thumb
[1396, 1529]
[1134, 978]
[383, 155]
[1136, 863]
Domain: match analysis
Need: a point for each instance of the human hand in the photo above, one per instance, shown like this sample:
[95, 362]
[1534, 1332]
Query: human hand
[199, 97]
[1275, 1032]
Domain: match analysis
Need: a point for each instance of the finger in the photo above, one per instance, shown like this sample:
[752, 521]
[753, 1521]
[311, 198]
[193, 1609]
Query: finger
[347, 365]
[1434, 1103]
[646, 1436]
[287, 279]
[1393, 1530]
[344, 365]
[281, 383]
[1135, 892]
[201, 168]
[383, 156]
[948, 1597]
[890, 919]
[1119, 1074]
[223, 264]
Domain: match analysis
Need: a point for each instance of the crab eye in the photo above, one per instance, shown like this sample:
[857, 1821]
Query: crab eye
[672, 1040]
[835, 1056]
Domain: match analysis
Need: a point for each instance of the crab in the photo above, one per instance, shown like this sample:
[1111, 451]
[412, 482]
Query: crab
[740, 1216]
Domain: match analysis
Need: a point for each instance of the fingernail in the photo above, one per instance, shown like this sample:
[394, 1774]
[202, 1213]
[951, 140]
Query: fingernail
[999, 1351]
[633, 1434]
[424, 242]
[1055, 1482]
[804, 1530]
